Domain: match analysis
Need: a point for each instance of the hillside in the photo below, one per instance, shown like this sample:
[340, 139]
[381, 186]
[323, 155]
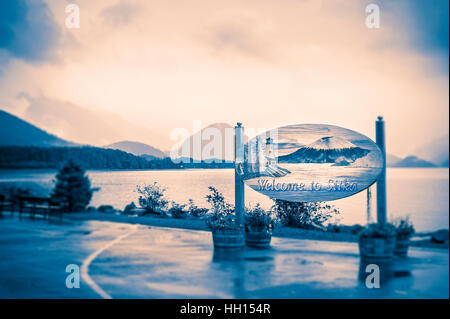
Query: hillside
[15, 131]
[88, 157]
[137, 148]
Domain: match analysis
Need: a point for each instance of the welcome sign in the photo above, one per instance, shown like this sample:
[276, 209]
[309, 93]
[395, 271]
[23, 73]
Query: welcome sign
[310, 162]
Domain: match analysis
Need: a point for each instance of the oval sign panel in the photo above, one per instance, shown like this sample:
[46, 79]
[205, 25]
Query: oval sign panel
[310, 163]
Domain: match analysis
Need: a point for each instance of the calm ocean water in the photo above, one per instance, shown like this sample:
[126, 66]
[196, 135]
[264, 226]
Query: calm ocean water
[420, 193]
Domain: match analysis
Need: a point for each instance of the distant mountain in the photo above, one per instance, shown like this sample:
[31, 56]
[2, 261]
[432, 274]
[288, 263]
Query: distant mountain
[76, 123]
[15, 131]
[138, 149]
[391, 160]
[331, 142]
[413, 161]
[435, 151]
[326, 150]
[219, 135]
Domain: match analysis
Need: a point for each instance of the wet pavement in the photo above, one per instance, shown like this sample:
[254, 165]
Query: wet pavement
[134, 261]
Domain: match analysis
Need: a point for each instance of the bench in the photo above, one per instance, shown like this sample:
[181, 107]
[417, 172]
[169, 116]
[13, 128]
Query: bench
[5, 205]
[38, 205]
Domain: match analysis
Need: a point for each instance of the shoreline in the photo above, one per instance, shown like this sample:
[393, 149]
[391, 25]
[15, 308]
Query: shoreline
[199, 225]
[181, 169]
[427, 208]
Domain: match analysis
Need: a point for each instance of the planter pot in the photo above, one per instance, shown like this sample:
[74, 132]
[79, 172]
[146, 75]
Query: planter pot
[258, 239]
[401, 247]
[376, 249]
[228, 240]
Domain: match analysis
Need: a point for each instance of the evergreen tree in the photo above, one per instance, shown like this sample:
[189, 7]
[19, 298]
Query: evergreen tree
[73, 188]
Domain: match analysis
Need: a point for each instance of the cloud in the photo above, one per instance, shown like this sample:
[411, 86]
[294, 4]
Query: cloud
[122, 13]
[74, 122]
[430, 20]
[261, 62]
[27, 30]
[426, 24]
[237, 39]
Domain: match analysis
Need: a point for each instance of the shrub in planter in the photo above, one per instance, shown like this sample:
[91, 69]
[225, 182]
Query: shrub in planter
[312, 215]
[196, 211]
[377, 242]
[404, 230]
[152, 199]
[259, 225]
[227, 234]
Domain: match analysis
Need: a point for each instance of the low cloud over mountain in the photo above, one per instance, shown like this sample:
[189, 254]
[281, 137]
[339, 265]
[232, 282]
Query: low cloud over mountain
[85, 126]
[435, 151]
[17, 132]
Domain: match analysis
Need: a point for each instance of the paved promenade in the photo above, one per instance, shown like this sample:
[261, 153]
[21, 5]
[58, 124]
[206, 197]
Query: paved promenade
[119, 260]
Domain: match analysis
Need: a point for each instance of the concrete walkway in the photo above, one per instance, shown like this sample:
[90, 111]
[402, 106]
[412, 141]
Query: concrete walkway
[132, 261]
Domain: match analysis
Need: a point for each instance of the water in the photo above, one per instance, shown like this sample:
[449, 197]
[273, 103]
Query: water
[420, 193]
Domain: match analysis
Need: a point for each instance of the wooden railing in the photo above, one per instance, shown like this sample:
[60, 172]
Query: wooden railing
[32, 205]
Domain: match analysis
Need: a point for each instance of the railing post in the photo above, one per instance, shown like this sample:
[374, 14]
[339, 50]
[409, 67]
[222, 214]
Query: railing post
[381, 181]
[238, 166]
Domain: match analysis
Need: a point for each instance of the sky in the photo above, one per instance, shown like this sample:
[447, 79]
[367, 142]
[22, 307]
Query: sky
[265, 63]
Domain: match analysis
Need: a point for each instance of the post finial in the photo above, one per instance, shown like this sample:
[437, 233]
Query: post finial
[239, 124]
[380, 118]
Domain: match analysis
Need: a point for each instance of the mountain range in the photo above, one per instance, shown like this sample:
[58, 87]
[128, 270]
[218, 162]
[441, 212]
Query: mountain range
[16, 132]
[413, 161]
[325, 150]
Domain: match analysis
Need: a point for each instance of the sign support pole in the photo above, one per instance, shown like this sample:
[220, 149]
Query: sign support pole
[239, 202]
[381, 181]
[369, 205]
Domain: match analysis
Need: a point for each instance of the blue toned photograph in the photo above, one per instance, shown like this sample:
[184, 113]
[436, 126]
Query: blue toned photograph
[224, 158]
